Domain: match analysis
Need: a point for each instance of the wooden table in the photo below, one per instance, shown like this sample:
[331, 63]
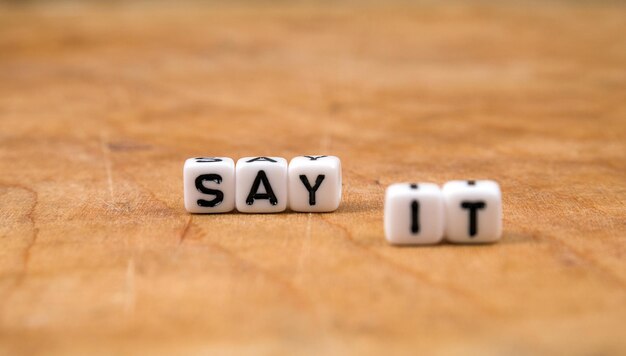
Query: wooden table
[100, 103]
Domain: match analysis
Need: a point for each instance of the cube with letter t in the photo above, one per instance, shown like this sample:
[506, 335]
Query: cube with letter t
[473, 211]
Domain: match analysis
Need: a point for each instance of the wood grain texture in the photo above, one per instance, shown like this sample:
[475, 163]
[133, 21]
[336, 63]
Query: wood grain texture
[100, 103]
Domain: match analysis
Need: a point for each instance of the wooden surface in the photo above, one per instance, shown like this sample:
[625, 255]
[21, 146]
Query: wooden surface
[101, 103]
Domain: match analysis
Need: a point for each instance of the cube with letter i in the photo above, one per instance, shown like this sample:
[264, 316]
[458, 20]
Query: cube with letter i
[414, 214]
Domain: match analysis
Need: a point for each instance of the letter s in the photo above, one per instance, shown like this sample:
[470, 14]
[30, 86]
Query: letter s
[219, 195]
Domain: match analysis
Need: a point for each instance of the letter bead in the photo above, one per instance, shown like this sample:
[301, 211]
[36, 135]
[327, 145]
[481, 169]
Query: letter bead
[314, 183]
[209, 184]
[473, 211]
[414, 214]
[261, 185]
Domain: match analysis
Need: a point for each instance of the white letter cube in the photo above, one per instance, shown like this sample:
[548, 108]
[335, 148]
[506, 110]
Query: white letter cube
[473, 211]
[314, 183]
[209, 184]
[414, 214]
[261, 185]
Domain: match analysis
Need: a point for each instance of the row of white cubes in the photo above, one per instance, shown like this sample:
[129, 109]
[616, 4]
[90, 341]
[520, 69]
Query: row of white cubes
[415, 213]
[262, 184]
[462, 212]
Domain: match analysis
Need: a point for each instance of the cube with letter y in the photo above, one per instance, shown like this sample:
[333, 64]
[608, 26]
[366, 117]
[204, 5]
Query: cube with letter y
[314, 183]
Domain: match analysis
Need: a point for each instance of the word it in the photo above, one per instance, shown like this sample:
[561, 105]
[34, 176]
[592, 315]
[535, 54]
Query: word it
[462, 212]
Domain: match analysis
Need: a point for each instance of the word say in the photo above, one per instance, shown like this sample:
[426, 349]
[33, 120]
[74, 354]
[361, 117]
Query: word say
[462, 212]
[262, 184]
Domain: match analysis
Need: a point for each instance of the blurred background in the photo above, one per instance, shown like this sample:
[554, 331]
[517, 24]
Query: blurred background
[102, 101]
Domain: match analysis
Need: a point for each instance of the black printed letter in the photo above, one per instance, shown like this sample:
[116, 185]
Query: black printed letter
[208, 159]
[314, 158]
[473, 214]
[269, 193]
[219, 196]
[312, 190]
[267, 159]
[415, 212]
